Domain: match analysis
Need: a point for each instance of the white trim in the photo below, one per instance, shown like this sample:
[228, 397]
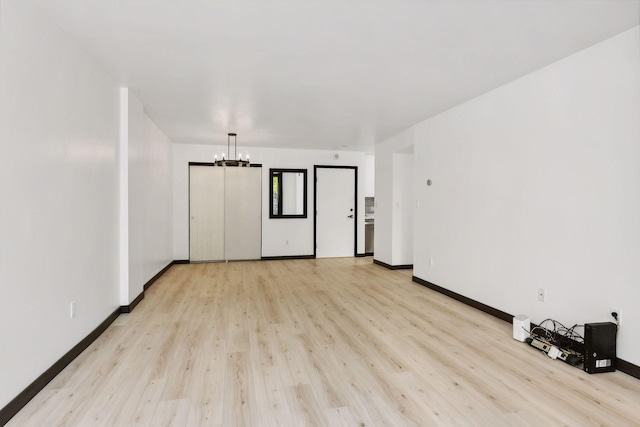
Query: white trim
[123, 166]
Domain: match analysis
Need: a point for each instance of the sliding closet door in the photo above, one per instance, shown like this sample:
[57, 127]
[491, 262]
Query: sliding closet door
[206, 213]
[243, 213]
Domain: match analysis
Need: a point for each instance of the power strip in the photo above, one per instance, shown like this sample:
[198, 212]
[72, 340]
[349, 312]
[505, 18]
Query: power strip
[554, 352]
[541, 345]
[550, 350]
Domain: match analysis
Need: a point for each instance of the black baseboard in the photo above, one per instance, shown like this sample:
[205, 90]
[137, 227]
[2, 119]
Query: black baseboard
[13, 407]
[473, 303]
[621, 365]
[129, 308]
[181, 261]
[361, 255]
[368, 254]
[36, 386]
[160, 273]
[628, 368]
[285, 257]
[393, 267]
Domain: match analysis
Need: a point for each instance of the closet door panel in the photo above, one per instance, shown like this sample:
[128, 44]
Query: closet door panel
[243, 213]
[206, 213]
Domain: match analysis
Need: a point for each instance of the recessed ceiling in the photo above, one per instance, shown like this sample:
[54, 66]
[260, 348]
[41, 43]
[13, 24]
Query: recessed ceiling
[324, 74]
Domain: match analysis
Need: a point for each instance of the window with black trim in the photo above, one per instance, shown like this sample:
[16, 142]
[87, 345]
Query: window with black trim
[288, 193]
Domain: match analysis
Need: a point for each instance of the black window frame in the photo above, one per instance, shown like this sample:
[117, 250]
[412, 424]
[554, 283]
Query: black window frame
[277, 172]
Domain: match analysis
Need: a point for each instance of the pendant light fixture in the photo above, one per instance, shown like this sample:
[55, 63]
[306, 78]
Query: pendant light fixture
[227, 161]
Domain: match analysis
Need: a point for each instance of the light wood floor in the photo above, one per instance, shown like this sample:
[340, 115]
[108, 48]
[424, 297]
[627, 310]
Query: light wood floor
[339, 342]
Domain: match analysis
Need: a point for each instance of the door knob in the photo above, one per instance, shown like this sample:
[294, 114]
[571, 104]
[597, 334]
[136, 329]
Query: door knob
[350, 216]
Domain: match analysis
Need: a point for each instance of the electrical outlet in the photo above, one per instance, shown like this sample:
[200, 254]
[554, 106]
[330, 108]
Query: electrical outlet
[619, 318]
[72, 309]
[541, 294]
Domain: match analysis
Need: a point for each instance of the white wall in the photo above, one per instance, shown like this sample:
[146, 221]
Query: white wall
[59, 193]
[60, 190]
[369, 175]
[402, 209]
[275, 232]
[537, 184]
[391, 183]
[150, 199]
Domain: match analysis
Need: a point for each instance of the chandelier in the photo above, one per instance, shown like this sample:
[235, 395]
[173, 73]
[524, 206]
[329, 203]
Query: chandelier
[227, 161]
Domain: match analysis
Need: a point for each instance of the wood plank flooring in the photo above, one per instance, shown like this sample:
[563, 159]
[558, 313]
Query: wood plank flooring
[330, 342]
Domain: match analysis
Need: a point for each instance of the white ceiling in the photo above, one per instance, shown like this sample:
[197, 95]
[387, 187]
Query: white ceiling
[324, 74]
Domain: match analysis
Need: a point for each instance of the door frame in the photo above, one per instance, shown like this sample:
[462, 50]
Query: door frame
[315, 205]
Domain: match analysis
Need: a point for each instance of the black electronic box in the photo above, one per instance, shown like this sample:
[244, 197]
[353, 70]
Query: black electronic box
[600, 347]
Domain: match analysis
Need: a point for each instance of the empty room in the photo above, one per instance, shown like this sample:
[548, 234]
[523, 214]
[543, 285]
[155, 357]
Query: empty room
[356, 213]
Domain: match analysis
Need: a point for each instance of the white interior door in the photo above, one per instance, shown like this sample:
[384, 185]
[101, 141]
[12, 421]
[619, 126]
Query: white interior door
[243, 213]
[206, 213]
[336, 216]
